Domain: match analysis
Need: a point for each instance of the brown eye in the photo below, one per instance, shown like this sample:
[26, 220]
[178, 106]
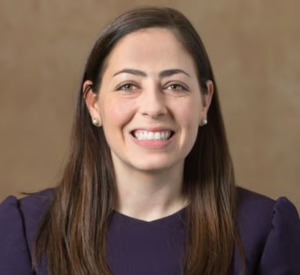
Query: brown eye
[176, 87]
[127, 87]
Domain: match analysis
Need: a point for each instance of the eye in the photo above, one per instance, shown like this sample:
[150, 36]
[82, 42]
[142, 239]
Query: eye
[177, 87]
[126, 87]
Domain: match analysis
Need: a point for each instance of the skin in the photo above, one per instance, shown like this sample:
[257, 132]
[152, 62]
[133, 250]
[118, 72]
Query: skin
[149, 95]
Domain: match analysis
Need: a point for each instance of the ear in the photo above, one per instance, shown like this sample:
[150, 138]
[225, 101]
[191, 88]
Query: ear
[206, 100]
[91, 101]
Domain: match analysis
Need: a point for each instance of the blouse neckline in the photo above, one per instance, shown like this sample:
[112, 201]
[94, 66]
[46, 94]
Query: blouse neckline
[170, 220]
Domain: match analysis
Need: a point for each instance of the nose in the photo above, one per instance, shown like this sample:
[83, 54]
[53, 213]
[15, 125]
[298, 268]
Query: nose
[152, 103]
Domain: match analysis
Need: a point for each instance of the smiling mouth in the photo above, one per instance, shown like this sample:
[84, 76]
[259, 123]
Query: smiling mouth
[145, 135]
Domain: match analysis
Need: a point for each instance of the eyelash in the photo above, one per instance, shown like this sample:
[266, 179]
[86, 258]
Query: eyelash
[121, 87]
[182, 87]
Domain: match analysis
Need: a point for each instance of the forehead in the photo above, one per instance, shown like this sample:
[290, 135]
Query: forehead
[153, 48]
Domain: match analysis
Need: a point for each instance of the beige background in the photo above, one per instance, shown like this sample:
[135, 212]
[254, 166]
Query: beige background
[254, 47]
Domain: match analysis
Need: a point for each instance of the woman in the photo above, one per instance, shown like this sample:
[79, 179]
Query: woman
[149, 185]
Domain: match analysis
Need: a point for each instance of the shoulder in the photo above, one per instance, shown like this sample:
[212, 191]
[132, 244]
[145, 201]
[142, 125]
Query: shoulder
[33, 208]
[270, 233]
[19, 220]
[254, 210]
[257, 212]
[27, 210]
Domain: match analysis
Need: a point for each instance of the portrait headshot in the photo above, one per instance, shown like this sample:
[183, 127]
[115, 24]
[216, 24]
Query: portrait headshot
[153, 176]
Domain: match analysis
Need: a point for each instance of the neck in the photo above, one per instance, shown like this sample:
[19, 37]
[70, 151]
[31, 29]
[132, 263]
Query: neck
[149, 195]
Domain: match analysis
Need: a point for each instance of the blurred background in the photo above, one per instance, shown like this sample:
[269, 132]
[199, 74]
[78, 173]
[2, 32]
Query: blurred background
[254, 48]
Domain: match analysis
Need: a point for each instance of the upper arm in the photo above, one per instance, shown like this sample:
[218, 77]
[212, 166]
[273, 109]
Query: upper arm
[281, 253]
[14, 252]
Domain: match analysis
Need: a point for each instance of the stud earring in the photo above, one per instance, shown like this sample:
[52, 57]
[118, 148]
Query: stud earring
[96, 121]
[204, 121]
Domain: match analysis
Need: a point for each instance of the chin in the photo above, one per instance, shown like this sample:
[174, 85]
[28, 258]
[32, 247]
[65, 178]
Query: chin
[154, 167]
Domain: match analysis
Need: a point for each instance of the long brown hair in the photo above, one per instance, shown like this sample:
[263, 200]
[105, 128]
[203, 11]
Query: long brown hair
[73, 232]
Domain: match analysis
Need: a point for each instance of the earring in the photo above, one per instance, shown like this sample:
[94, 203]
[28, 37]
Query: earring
[95, 121]
[204, 121]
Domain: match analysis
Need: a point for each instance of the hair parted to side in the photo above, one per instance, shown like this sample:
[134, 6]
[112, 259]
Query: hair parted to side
[73, 232]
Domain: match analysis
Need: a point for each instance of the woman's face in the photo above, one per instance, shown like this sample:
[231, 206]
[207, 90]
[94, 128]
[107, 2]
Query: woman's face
[149, 104]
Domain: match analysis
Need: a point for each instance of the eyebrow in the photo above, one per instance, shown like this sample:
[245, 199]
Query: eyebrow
[165, 73]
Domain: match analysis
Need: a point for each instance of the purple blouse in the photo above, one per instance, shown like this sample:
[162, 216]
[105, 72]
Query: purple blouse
[270, 232]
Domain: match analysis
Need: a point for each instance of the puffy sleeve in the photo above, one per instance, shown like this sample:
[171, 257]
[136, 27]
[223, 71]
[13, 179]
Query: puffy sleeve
[281, 253]
[14, 251]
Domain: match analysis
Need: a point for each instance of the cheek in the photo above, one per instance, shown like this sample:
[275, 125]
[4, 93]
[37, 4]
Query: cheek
[188, 119]
[116, 113]
[188, 114]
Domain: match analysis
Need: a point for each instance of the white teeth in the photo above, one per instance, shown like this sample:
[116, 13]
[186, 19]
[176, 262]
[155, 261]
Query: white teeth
[150, 135]
[144, 135]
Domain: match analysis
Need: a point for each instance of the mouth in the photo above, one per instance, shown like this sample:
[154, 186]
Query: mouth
[148, 135]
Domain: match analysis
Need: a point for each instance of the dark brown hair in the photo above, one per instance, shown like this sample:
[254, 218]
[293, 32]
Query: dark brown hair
[73, 232]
